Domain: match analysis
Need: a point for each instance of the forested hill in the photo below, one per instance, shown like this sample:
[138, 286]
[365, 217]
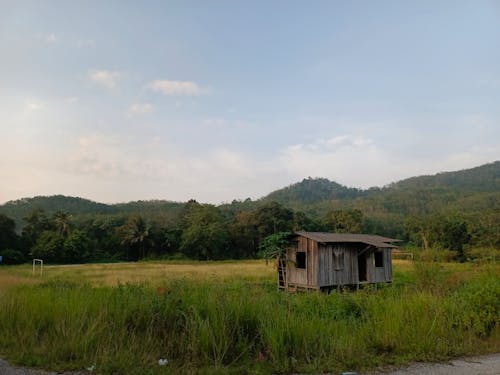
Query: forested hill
[313, 190]
[76, 206]
[450, 211]
[485, 178]
[469, 190]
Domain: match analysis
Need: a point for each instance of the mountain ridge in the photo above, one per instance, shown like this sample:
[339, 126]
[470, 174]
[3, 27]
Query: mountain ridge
[313, 195]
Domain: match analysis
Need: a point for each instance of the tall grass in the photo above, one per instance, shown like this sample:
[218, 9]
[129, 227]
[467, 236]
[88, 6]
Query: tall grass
[240, 326]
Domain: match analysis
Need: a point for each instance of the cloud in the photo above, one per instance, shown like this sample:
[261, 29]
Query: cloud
[352, 160]
[138, 109]
[105, 78]
[167, 87]
[33, 104]
[50, 38]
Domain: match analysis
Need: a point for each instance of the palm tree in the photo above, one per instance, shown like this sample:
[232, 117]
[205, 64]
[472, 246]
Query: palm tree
[137, 233]
[62, 221]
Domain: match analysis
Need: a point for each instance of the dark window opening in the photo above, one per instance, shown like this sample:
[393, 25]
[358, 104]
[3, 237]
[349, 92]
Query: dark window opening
[362, 267]
[300, 259]
[379, 259]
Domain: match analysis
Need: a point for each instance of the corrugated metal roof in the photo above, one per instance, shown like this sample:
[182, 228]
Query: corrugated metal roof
[370, 239]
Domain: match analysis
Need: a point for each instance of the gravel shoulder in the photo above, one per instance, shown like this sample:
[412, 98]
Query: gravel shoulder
[8, 369]
[480, 365]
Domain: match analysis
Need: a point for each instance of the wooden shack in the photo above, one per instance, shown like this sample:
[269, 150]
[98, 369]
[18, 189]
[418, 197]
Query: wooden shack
[323, 261]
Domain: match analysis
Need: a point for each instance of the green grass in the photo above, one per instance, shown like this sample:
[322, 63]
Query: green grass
[241, 324]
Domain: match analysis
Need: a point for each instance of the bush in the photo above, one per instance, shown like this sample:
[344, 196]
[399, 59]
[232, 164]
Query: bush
[12, 256]
[437, 254]
[483, 254]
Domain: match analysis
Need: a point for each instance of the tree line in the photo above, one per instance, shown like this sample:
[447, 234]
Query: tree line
[207, 232]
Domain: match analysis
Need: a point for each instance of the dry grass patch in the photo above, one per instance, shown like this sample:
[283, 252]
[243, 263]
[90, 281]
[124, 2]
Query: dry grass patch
[150, 272]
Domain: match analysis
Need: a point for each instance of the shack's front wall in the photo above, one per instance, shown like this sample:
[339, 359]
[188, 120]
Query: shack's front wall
[331, 273]
[340, 271]
[303, 276]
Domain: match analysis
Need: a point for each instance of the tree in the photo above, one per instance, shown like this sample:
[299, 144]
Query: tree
[76, 247]
[205, 235]
[273, 218]
[136, 235]
[451, 232]
[244, 235]
[36, 223]
[10, 256]
[275, 245]
[344, 221]
[49, 246]
[62, 223]
[8, 237]
[303, 222]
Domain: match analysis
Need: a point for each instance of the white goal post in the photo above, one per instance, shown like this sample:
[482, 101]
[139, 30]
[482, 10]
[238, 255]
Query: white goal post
[40, 262]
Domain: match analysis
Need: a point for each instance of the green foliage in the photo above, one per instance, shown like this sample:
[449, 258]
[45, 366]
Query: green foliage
[77, 247]
[275, 245]
[313, 190]
[241, 327]
[343, 221]
[446, 214]
[204, 236]
[49, 247]
[136, 235]
[10, 256]
[8, 236]
[429, 275]
[273, 218]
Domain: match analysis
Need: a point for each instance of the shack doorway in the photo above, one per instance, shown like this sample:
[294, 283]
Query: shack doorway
[362, 267]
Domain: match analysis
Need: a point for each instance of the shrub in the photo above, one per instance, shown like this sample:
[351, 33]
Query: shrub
[12, 256]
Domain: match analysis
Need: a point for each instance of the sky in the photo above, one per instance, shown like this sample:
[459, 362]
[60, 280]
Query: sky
[219, 100]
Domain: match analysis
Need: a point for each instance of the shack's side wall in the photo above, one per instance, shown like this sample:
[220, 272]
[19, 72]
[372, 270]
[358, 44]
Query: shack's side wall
[330, 275]
[387, 264]
[380, 274]
[303, 276]
[328, 272]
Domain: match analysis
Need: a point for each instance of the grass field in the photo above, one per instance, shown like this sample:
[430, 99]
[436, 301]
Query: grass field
[228, 317]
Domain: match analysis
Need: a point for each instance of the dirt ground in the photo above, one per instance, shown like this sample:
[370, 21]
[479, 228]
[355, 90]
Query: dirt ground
[483, 365]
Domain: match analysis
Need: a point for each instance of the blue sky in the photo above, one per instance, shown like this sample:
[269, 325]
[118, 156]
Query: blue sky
[121, 100]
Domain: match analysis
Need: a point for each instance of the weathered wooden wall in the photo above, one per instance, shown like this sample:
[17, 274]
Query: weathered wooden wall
[322, 267]
[328, 274]
[380, 274]
[309, 275]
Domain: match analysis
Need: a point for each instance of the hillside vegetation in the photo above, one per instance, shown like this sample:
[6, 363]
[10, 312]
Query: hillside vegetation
[455, 215]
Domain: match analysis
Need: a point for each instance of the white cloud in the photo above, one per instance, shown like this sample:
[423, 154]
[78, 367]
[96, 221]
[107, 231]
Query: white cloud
[347, 159]
[138, 109]
[33, 104]
[105, 78]
[167, 87]
[49, 38]
[361, 162]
